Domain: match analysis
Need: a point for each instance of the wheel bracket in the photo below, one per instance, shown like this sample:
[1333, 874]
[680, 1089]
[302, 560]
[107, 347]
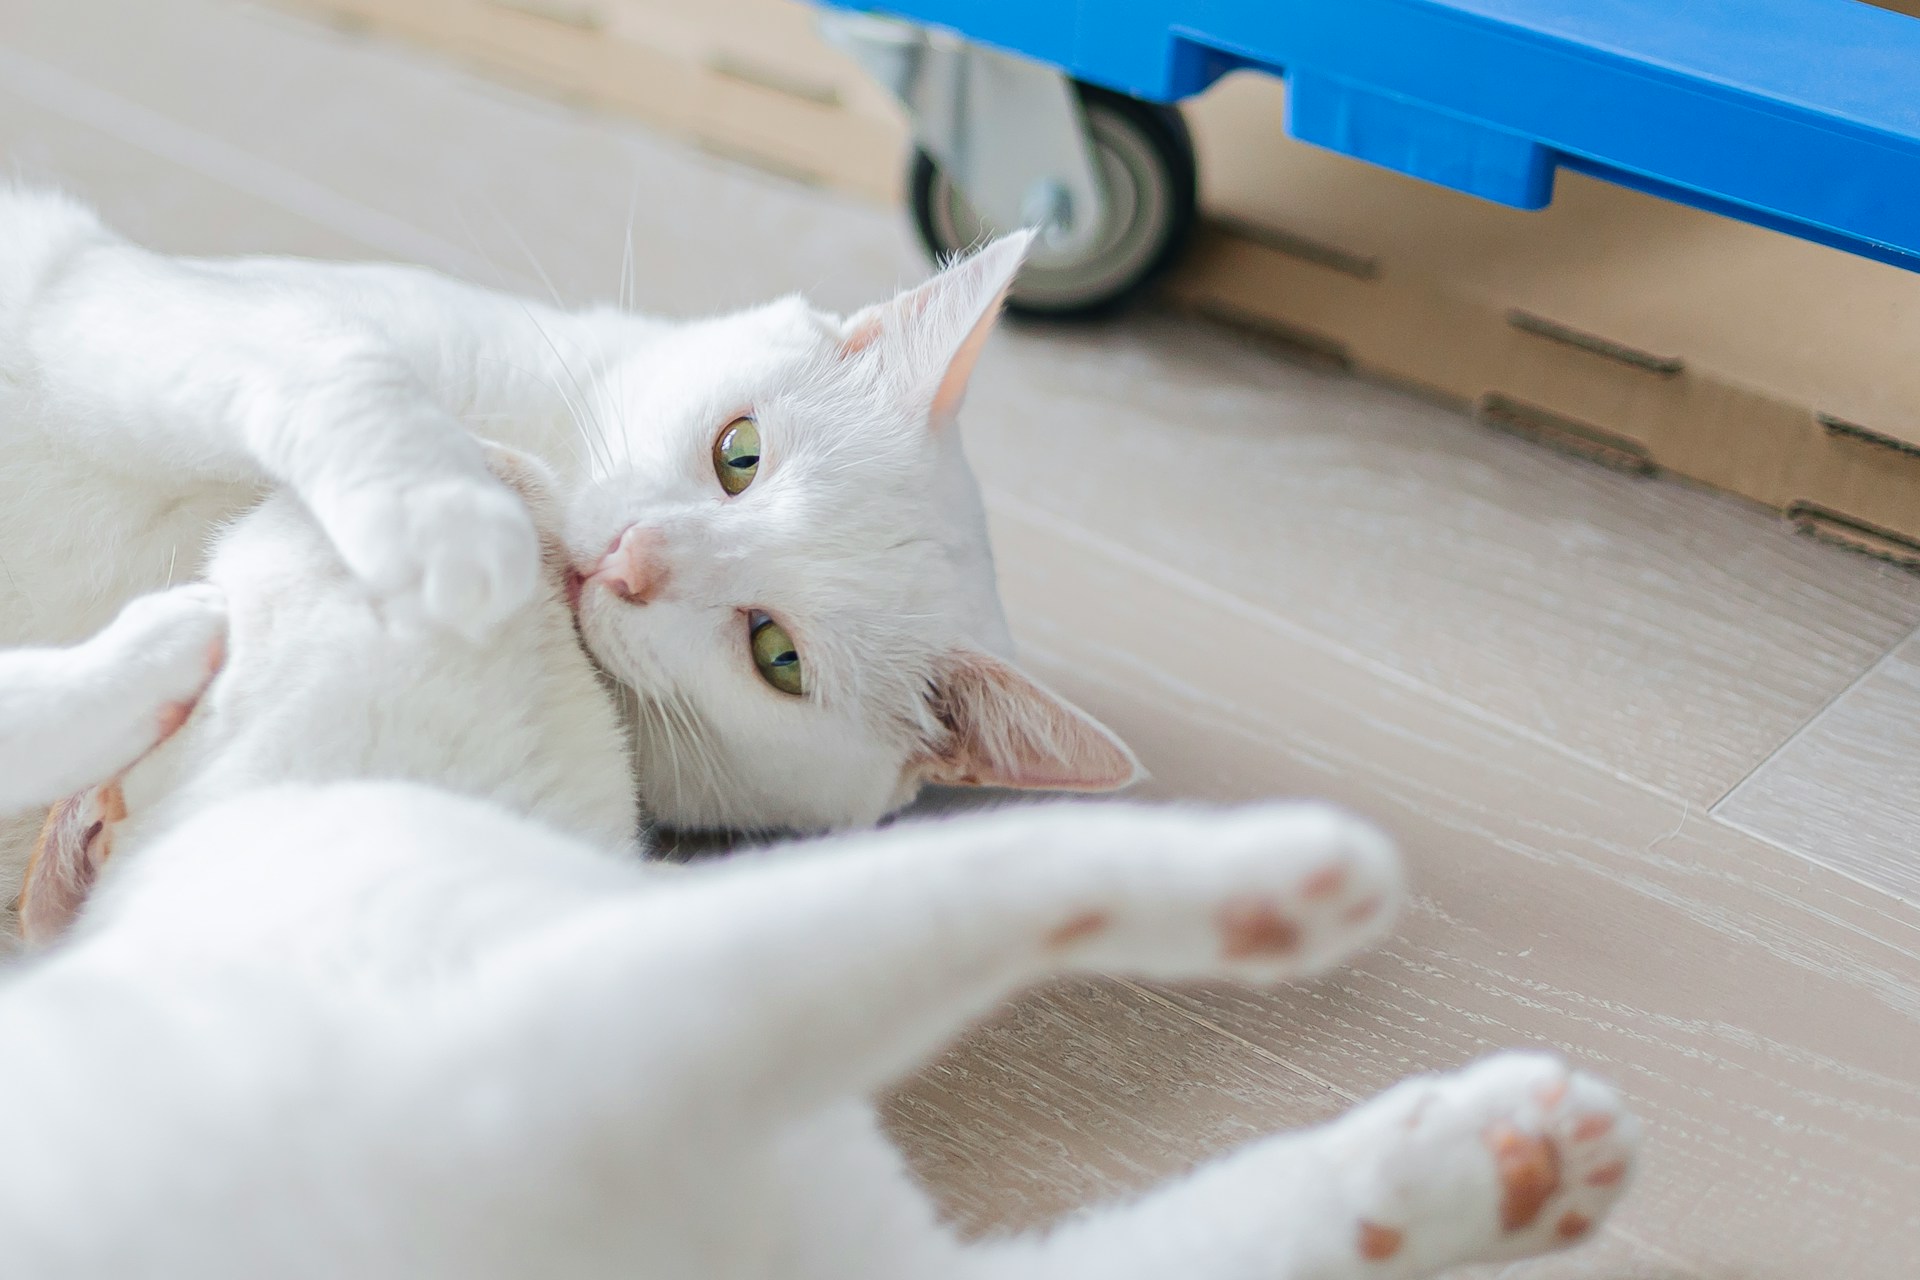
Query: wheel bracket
[1009, 132]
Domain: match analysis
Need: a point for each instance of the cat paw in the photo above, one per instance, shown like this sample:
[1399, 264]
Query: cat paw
[1516, 1155]
[1267, 893]
[462, 553]
[136, 681]
[162, 651]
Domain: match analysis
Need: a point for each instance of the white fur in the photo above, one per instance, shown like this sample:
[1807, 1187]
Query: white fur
[332, 1028]
[310, 1026]
[322, 685]
[373, 1030]
[72, 717]
[143, 399]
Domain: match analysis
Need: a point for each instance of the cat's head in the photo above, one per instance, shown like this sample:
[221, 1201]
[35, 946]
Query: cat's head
[785, 557]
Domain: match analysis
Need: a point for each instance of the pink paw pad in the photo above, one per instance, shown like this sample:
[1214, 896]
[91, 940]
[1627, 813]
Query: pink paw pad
[1324, 883]
[1572, 1226]
[1378, 1243]
[1078, 929]
[1363, 911]
[172, 716]
[1253, 929]
[1529, 1170]
[1591, 1127]
[1608, 1175]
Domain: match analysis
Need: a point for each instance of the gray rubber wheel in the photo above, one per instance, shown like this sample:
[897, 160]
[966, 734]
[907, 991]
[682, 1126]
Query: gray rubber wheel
[1146, 159]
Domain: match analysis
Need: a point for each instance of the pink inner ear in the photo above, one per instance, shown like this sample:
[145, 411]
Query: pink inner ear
[863, 336]
[74, 844]
[953, 384]
[1005, 730]
[939, 328]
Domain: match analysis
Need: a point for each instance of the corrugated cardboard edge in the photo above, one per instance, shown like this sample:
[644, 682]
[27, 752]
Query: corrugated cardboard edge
[1634, 410]
[1589, 394]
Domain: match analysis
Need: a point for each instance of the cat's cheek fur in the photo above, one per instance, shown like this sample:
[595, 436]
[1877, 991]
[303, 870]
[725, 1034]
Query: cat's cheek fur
[805, 765]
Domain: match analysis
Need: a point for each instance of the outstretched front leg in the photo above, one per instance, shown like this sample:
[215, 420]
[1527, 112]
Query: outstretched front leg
[767, 990]
[825, 973]
[74, 717]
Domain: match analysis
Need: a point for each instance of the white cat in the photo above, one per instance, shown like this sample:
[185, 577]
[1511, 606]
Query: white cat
[362, 1029]
[374, 1030]
[777, 542]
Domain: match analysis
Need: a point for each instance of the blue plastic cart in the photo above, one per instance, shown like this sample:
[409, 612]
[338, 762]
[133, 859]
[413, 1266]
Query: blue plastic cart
[1800, 115]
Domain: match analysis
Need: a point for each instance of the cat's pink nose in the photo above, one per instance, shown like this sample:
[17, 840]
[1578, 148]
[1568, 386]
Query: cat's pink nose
[636, 568]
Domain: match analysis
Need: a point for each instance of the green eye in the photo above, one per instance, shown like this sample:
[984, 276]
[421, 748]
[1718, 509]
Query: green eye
[774, 654]
[736, 455]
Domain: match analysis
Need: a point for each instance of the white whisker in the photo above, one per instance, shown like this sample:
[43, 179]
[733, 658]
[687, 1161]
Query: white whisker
[586, 400]
[629, 297]
[526, 251]
[586, 461]
[505, 282]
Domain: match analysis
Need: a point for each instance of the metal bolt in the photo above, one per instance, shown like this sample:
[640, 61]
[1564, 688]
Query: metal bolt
[1049, 206]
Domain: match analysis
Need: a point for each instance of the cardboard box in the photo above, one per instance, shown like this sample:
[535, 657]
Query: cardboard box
[1640, 334]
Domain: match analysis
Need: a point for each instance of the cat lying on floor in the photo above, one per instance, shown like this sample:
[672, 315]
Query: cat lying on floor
[307, 1026]
[776, 541]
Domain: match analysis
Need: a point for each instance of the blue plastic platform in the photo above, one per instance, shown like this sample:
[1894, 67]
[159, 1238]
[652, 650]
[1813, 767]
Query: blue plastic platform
[1800, 115]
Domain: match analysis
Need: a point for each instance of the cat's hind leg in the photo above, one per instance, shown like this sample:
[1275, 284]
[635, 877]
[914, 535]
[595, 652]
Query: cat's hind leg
[74, 717]
[73, 720]
[1513, 1156]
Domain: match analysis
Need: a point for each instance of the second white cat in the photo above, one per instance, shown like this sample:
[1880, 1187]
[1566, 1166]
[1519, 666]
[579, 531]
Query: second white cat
[312, 1027]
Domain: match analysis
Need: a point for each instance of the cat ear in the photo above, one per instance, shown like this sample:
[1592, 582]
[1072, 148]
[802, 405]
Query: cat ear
[74, 844]
[933, 335]
[1005, 730]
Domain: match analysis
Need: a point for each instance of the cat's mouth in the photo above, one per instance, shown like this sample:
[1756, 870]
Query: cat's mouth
[576, 587]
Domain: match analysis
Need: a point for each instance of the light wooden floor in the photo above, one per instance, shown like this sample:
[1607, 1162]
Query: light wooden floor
[1654, 759]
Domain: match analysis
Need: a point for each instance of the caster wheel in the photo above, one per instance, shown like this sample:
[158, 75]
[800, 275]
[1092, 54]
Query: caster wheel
[1145, 157]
